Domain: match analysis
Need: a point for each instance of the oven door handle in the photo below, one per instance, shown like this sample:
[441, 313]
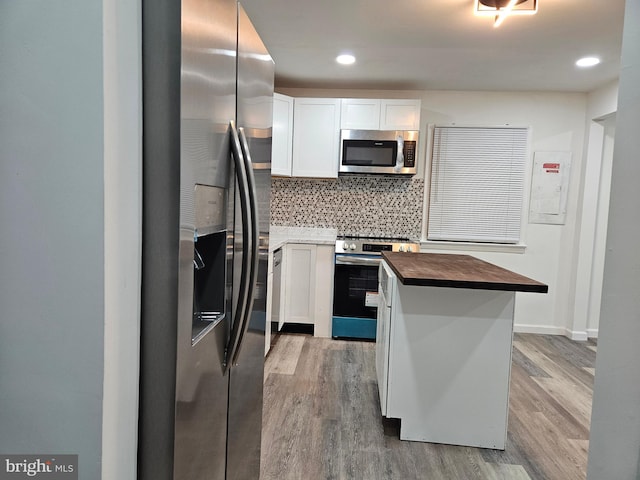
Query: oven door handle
[353, 260]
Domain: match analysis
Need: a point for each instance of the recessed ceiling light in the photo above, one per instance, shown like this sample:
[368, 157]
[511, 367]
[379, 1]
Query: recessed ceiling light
[588, 62]
[345, 59]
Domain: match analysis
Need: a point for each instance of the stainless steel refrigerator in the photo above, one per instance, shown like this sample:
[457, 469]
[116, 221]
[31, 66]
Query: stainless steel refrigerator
[207, 115]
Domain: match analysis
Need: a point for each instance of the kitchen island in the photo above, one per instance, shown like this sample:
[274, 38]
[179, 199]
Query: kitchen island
[443, 346]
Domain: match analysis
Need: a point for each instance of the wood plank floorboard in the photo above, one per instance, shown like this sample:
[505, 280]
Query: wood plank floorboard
[321, 416]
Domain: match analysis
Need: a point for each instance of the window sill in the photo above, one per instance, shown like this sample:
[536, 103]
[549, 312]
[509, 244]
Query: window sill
[473, 246]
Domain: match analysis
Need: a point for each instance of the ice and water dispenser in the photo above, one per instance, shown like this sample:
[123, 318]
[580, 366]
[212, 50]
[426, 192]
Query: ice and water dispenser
[209, 259]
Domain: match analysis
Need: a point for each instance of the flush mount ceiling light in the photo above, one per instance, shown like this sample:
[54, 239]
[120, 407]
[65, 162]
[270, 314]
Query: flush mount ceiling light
[501, 9]
[345, 59]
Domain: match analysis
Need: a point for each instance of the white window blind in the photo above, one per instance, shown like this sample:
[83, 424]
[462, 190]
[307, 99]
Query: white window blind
[477, 184]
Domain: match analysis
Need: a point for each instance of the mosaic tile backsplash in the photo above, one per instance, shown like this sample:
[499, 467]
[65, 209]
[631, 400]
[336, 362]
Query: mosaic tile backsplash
[368, 205]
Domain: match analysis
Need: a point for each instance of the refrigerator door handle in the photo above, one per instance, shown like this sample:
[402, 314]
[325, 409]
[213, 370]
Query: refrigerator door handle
[237, 329]
[253, 265]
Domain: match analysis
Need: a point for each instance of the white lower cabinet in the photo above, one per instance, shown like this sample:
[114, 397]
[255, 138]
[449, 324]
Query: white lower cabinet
[299, 264]
[274, 297]
[386, 290]
[268, 319]
[324, 290]
[307, 285]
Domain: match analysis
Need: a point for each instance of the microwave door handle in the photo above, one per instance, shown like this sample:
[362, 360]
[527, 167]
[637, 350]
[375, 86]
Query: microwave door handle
[239, 312]
[400, 154]
[253, 264]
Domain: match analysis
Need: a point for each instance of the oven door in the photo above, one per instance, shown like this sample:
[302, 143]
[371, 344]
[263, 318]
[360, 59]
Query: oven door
[355, 296]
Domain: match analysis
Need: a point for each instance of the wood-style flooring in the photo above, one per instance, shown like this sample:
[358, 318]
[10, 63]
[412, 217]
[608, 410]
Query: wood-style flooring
[322, 417]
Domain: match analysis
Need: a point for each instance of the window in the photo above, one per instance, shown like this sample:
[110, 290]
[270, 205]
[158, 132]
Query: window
[477, 184]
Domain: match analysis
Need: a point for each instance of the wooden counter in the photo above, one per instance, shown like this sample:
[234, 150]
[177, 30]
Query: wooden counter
[457, 271]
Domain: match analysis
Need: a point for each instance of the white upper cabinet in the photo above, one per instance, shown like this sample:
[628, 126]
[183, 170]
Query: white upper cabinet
[282, 136]
[400, 115]
[380, 114]
[316, 137]
[360, 114]
[306, 131]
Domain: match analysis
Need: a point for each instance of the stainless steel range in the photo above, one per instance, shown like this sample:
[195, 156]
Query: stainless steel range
[355, 291]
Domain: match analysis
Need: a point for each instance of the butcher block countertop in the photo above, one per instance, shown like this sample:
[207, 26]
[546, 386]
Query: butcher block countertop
[457, 271]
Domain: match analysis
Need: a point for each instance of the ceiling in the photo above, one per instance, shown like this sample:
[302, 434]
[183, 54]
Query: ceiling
[439, 44]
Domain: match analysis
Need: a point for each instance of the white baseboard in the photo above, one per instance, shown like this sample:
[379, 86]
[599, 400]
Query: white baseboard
[579, 336]
[539, 329]
[592, 332]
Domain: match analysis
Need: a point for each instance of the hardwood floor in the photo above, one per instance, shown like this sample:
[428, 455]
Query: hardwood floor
[322, 417]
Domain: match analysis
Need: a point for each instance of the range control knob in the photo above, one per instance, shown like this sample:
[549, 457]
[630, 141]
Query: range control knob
[401, 248]
[345, 246]
[409, 248]
[352, 246]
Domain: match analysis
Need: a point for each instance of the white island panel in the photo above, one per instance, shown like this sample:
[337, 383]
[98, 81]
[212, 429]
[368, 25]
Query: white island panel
[449, 364]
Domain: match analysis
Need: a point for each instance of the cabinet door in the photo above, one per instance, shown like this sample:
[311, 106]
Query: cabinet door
[282, 141]
[382, 351]
[267, 325]
[360, 114]
[400, 114]
[316, 137]
[383, 336]
[300, 283]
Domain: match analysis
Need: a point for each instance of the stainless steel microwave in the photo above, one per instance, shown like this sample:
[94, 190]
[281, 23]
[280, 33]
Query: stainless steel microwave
[390, 152]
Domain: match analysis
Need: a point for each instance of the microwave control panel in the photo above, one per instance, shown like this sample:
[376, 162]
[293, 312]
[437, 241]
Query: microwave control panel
[410, 153]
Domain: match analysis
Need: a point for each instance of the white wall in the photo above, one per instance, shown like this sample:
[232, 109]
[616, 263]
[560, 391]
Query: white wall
[601, 213]
[593, 208]
[614, 444]
[557, 122]
[52, 240]
[603, 101]
[122, 236]
[70, 241]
